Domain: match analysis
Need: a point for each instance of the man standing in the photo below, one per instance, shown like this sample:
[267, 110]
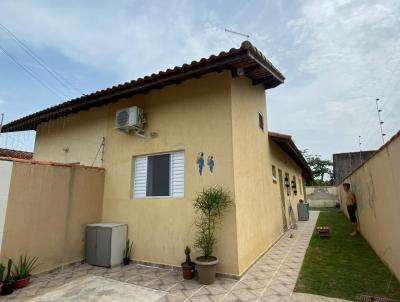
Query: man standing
[351, 203]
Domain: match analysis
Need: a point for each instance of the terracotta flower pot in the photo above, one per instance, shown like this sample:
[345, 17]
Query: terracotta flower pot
[188, 270]
[206, 269]
[22, 282]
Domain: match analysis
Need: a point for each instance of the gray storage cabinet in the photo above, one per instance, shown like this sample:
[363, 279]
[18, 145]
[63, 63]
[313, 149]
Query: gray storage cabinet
[302, 210]
[105, 243]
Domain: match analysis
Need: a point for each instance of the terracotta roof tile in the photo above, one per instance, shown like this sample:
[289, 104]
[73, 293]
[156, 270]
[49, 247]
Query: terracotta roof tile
[15, 154]
[254, 64]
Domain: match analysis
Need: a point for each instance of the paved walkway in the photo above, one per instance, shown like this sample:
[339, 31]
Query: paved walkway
[301, 297]
[272, 278]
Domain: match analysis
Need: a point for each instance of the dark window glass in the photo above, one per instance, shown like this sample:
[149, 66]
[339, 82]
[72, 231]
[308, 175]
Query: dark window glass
[158, 175]
[260, 121]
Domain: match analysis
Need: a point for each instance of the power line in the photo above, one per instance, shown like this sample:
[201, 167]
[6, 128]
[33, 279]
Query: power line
[31, 73]
[40, 61]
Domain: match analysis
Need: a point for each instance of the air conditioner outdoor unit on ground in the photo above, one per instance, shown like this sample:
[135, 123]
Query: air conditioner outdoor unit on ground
[129, 119]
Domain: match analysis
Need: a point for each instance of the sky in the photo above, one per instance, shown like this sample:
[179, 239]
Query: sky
[337, 56]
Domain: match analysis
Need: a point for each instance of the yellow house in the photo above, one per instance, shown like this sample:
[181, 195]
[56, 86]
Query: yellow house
[214, 110]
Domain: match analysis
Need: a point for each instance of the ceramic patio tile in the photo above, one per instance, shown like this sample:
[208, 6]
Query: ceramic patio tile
[251, 284]
[162, 284]
[243, 294]
[173, 275]
[202, 296]
[141, 280]
[185, 288]
[172, 298]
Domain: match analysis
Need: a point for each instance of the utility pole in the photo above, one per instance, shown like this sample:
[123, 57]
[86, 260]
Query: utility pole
[380, 120]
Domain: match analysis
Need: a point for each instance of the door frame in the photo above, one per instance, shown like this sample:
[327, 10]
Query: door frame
[283, 204]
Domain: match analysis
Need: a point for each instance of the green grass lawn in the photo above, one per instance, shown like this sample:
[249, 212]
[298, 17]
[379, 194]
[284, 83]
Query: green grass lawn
[343, 266]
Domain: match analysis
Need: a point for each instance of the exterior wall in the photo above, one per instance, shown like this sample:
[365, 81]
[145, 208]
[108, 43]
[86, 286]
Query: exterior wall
[59, 140]
[345, 163]
[283, 162]
[48, 208]
[5, 181]
[322, 196]
[376, 185]
[193, 116]
[258, 205]
[256, 225]
[217, 115]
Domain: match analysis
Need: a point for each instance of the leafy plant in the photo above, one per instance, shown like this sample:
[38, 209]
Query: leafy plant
[24, 267]
[187, 253]
[320, 168]
[8, 275]
[210, 203]
[2, 268]
[128, 250]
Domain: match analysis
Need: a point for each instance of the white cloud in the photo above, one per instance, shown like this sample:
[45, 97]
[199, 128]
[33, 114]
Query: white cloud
[128, 38]
[337, 56]
[348, 54]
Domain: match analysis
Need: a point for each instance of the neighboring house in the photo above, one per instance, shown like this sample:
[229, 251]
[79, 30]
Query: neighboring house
[345, 163]
[213, 107]
[15, 154]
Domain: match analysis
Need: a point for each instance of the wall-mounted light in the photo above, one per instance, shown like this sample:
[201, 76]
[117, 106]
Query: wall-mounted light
[287, 185]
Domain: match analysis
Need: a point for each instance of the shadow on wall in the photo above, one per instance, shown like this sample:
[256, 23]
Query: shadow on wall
[376, 186]
[47, 209]
[322, 196]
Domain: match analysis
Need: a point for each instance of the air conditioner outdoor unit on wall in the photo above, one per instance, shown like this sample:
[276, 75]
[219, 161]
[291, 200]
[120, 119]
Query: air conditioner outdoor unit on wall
[129, 118]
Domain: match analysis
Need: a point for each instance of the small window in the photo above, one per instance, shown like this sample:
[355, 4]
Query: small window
[260, 121]
[160, 175]
[274, 180]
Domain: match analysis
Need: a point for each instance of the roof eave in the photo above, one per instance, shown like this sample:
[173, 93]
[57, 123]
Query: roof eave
[258, 68]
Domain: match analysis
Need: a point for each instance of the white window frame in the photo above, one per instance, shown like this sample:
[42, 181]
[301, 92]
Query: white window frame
[134, 196]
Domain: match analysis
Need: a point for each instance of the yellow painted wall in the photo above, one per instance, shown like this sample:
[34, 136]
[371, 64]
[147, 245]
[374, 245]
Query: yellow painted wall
[215, 114]
[72, 139]
[194, 116]
[377, 188]
[47, 211]
[258, 214]
[283, 162]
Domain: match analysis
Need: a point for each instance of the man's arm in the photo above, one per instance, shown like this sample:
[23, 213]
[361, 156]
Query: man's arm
[353, 198]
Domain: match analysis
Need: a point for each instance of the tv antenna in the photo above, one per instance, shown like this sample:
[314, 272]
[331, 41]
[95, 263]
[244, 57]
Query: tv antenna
[237, 33]
[228, 31]
[380, 120]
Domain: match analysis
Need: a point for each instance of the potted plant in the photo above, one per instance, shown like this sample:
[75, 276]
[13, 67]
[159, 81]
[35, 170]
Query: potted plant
[188, 265]
[127, 252]
[23, 269]
[210, 205]
[8, 283]
[2, 268]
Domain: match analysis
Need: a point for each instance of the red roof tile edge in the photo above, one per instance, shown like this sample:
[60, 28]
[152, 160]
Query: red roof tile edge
[15, 153]
[246, 47]
[47, 163]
